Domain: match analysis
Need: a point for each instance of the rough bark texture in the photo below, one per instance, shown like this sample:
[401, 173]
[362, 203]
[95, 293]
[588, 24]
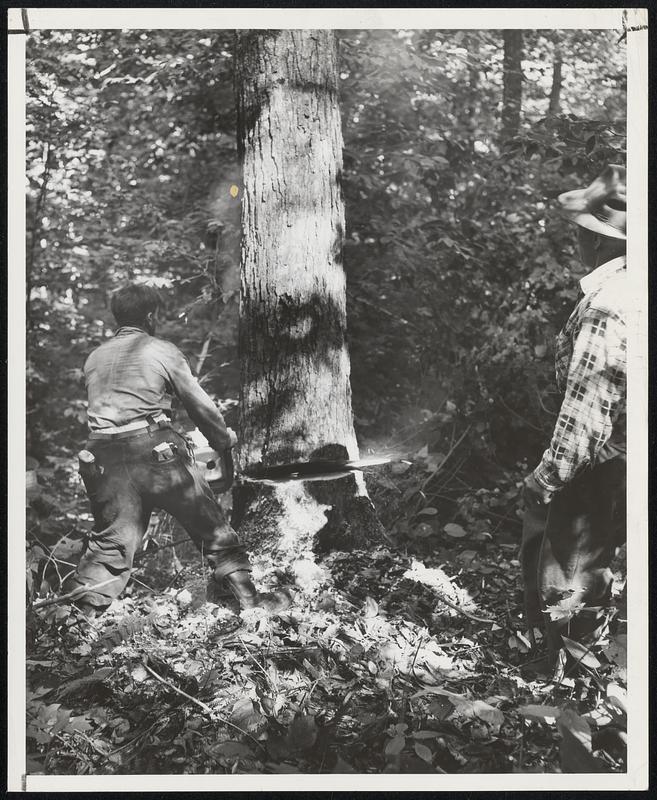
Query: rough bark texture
[512, 91]
[295, 393]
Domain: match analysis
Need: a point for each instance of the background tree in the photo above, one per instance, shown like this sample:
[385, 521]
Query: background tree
[512, 97]
[457, 264]
[140, 164]
[295, 397]
[555, 90]
[473, 278]
[458, 271]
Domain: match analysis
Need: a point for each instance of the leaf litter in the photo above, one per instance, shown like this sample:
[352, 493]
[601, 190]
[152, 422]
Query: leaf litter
[407, 658]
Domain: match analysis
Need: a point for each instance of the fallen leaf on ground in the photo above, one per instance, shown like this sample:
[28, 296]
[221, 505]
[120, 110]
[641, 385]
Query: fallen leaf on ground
[454, 530]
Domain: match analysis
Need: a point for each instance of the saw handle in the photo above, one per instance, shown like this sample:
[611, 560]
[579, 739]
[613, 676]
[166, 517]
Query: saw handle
[227, 464]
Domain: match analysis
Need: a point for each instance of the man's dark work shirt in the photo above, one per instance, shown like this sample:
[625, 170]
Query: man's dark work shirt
[133, 376]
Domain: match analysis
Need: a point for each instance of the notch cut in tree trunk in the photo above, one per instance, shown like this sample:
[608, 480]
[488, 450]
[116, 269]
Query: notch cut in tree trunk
[295, 401]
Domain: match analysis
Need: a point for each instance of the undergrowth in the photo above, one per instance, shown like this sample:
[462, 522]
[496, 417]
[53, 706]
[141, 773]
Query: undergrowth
[410, 658]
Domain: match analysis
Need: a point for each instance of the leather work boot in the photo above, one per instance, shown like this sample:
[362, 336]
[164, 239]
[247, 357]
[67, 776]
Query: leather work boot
[248, 596]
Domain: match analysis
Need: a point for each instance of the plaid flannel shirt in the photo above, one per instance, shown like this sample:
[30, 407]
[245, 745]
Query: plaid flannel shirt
[592, 374]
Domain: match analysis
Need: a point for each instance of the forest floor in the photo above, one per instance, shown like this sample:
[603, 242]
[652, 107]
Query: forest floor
[412, 657]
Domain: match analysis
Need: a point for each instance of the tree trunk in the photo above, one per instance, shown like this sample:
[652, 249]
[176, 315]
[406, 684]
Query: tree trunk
[295, 401]
[555, 91]
[512, 91]
[469, 118]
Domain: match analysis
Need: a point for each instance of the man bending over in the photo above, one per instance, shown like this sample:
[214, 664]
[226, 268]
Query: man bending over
[141, 463]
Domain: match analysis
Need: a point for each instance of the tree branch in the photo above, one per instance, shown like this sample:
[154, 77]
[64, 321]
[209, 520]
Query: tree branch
[461, 610]
[204, 353]
[70, 595]
[201, 704]
[442, 463]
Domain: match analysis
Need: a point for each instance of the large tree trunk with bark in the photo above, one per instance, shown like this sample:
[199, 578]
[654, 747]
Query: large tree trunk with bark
[512, 89]
[295, 399]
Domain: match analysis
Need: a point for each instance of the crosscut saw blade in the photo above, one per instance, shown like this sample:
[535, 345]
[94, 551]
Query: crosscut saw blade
[315, 470]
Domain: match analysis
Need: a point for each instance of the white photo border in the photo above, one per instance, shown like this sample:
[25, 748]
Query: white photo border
[635, 22]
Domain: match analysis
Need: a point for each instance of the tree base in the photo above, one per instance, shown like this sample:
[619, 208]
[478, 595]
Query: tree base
[299, 520]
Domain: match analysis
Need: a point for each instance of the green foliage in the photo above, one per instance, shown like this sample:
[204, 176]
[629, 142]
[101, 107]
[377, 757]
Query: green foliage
[459, 270]
[131, 156]
[459, 274]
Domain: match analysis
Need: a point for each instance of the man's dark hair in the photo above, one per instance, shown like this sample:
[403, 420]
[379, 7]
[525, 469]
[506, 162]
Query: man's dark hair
[132, 304]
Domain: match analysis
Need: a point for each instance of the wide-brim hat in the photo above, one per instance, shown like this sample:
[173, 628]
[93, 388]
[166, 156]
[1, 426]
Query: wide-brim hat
[601, 207]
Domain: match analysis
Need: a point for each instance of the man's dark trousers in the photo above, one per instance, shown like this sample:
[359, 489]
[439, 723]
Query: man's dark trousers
[567, 548]
[131, 485]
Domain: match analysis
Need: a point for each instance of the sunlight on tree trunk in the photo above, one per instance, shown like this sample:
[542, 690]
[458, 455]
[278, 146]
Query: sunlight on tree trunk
[295, 400]
[512, 94]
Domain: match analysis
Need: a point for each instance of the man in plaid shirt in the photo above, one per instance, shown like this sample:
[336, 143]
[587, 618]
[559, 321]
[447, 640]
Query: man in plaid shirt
[573, 496]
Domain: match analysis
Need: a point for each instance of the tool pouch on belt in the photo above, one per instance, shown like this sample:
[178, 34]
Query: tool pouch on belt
[164, 451]
[89, 470]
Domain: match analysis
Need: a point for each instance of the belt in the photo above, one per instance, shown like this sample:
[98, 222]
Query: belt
[137, 428]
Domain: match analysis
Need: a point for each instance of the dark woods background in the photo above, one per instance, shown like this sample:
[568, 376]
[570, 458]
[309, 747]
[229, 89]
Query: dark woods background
[459, 270]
